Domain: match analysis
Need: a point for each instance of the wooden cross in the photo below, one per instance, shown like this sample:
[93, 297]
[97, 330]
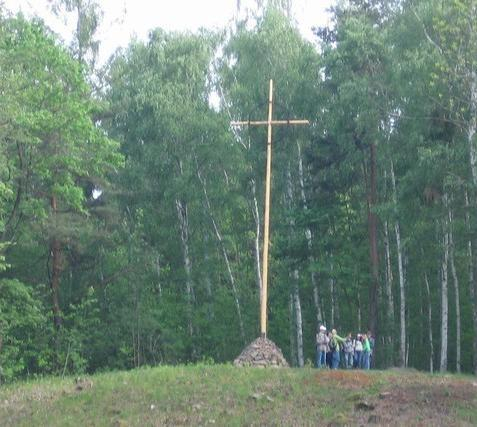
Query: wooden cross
[266, 225]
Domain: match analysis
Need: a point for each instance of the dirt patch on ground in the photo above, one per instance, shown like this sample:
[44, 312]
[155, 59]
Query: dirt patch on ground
[350, 380]
[418, 401]
[403, 399]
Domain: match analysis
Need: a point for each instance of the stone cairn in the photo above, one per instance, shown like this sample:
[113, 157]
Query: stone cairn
[261, 353]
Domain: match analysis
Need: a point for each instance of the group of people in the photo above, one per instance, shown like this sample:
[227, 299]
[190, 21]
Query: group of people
[354, 352]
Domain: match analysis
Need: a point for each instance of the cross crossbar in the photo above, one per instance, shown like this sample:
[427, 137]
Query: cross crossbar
[273, 122]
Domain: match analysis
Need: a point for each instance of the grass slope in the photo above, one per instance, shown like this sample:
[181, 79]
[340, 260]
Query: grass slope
[225, 395]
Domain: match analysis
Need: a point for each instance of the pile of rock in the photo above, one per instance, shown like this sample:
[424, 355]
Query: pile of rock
[261, 353]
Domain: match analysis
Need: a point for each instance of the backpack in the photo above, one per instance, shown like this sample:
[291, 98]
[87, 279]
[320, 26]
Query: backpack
[333, 344]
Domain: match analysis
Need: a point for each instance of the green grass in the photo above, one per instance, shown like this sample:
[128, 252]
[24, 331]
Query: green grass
[225, 395]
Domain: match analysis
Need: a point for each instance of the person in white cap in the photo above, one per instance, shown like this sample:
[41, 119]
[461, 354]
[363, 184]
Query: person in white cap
[321, 346]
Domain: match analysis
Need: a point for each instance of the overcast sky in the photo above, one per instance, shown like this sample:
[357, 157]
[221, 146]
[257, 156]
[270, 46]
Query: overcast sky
[124, 19]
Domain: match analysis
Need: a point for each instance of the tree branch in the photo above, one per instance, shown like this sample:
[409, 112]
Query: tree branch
[428, 37]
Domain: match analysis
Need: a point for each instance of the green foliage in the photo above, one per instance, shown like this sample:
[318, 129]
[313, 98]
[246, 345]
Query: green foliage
[21, 323]
[51, 112]
[155, 202]
[50, 150]
[88, 15]
[79, 335]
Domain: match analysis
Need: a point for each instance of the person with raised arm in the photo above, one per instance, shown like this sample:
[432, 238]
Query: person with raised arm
[335, 344]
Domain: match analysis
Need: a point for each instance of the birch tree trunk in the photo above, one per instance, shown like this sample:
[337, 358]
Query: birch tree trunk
[333, 302]
[472, 127]
[182, 216]
[471, 139]
[473, 298]
[158, 272]
[295, 276]
[336, 303]
[309, 241]
[332, 294]
[225, 256]
[456, 291]
[293, 353]
[429, 320]
[359, 313]
[389, 340]
[256, 247]
[402, 282]
[407, 354]
[472, 284]
[208, 284]
[444, 301]
[298, 320]
[373, 241]
[137, 327]
[320, 320]
[55, 251]
[254, 204]
[402, 294]
[389, 277]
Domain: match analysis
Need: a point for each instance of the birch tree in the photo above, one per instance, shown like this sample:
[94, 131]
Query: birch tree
[450, 34]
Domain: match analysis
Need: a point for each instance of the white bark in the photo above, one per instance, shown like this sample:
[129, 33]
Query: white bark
[301, 177]
[319, 312]
[298, 321]
[331, 282]
[471, 76]
[184, 229]
[295, 276]
[472, 127]
[444, 302]
[158, 272]
[406, 360]
[293, 356]
[402, 291]
[225, 256]
[389, 280]
[337, 303]
[456, 291]
[256, 217]
[333, 301]
[402, 295]
[389, 273]
[429, 320]
[469, 247]
[309, 241]
[359, 313]
[471, 138]
[208, 284]
[472, 290]
[210, 305]
[388, 290]
[255, 212]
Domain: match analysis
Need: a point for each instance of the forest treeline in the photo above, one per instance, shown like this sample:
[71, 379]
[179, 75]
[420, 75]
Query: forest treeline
[131, 212]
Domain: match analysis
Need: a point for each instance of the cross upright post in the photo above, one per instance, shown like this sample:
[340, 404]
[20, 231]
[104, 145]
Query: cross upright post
[266, 220]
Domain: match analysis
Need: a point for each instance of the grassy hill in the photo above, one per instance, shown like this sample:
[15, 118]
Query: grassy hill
[225, 395]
